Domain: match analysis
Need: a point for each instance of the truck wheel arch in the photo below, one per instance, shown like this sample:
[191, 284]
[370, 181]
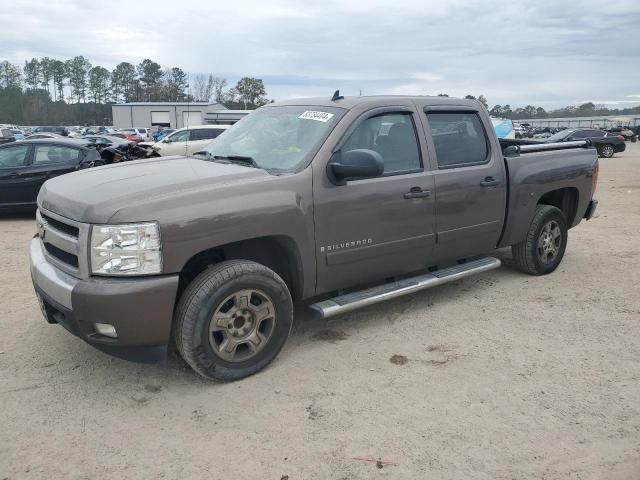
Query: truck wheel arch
[280, 253]
[566, 199]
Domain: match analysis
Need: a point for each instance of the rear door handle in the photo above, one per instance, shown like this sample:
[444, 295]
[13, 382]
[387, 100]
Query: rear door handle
[489, 182]
[417, 192]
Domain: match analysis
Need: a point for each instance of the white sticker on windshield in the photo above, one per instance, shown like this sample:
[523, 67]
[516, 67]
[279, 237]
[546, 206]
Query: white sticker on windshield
[318, 116]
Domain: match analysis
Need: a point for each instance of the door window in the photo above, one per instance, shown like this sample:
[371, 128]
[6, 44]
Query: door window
[580, 134]
[56, 154]
[393, 136]
[182, 136]
[14, 156]
[205, 133]
[459, 139]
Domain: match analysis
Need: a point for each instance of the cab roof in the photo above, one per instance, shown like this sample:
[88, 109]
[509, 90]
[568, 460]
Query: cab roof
[349, 103]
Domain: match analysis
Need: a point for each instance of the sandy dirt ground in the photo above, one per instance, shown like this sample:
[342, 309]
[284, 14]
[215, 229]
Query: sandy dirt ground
[499, 376]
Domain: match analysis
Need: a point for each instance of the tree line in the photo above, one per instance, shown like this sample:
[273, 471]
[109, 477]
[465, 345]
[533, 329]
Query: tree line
[588, 109]
[52, 91]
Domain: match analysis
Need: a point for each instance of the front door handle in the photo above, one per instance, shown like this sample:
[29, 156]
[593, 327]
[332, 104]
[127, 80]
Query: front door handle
[417, 192]
[489, 182]
[15, 175]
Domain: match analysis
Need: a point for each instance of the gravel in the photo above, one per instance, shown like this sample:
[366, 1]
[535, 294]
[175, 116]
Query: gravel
[498, 376]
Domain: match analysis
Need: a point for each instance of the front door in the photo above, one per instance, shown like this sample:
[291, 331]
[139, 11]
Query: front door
[13, 161]
[176, 144]
[470, 183]
[379, 227]
[49, 161]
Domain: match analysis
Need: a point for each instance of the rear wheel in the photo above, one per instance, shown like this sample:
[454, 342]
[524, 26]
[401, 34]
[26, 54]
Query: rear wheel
[233, 320]
[543, 248]
[606, 151]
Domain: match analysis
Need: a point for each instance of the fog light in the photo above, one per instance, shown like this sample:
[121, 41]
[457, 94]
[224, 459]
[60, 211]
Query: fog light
[106, 330]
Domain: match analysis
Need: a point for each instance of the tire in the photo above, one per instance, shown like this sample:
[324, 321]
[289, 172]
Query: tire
[543, 248]
[634, 139]
[606, 151]
[213, 316]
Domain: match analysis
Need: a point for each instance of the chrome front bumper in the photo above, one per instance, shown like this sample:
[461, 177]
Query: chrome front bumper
[53, 282]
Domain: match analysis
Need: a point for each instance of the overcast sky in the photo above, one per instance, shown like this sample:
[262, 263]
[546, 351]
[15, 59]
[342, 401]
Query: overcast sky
[545, 52]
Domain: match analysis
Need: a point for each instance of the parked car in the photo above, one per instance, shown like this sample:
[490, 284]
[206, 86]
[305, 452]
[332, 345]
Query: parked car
[160, 134]
[106, 140]
[18, 134]
[312, 201]
[143, 133]
[115, 149]
[74, 133]
[26, 165]
[606, 144]
[187, 141]
[36, 136]
[6, 136]
[59, 130]
[628, 134]
[126, 136]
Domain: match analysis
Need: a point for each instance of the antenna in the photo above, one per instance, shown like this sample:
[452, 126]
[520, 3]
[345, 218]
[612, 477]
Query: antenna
[336, 96]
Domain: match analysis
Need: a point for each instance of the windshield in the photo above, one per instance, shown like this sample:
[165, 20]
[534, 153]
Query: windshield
[278, 138]
[561, 135]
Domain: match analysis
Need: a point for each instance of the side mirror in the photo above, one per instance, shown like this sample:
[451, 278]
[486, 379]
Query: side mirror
[354, 164]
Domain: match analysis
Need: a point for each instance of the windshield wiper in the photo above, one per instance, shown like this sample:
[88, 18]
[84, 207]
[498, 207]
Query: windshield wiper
[241, 159]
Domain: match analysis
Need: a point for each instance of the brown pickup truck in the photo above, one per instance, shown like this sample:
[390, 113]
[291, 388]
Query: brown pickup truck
[338, 203]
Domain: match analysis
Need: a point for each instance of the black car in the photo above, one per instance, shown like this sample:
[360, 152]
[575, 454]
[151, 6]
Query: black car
[26, 165]
[102, 141]
[605, 143]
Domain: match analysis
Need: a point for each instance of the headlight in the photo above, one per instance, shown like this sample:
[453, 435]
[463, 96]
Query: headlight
[132, 249]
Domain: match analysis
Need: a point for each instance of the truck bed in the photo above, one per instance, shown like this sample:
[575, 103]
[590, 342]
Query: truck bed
[563, 170]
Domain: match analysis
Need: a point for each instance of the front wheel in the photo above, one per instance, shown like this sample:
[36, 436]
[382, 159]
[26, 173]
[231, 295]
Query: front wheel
[606, 151]
[233, 320]
[543, 248]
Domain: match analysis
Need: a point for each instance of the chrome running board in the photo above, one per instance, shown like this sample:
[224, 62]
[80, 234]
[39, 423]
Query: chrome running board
[363, 298]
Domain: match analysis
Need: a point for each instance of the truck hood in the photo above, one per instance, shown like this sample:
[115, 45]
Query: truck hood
[97, 194]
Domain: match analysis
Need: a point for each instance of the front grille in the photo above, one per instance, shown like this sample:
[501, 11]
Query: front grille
[63, 227]
[64, 241]
[61, 255]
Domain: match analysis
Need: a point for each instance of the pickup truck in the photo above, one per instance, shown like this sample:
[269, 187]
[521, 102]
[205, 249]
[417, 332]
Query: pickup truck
[337, 203]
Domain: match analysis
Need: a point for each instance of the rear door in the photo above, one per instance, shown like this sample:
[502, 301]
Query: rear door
[201, 137]
[13, 163]
[49, 161]
[470, 181]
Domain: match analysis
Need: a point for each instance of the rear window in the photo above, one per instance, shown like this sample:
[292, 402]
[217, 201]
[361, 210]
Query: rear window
[459, 139]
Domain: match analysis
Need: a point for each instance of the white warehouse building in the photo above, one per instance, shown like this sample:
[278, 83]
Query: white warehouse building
[163, 114]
